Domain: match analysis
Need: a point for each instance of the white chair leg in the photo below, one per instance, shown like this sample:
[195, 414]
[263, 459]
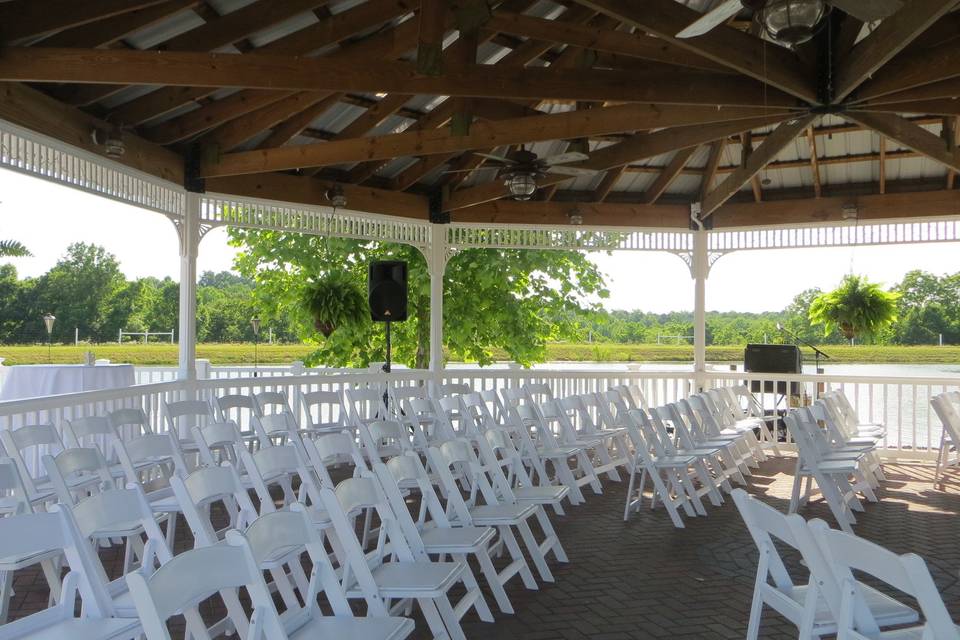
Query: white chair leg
[495, 582]
[516, 554]
[473, 589]
[535, 553]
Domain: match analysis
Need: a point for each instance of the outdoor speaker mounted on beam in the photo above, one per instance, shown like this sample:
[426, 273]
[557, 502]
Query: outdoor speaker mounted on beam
[387, 290]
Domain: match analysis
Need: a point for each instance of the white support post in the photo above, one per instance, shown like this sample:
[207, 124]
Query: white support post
[189, 231]
[437, 263]
[700, 269]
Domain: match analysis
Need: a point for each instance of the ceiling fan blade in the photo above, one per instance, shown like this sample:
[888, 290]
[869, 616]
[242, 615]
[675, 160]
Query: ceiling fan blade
[493, 157]
[572, 171]
[712, 19]
[868, 10]
[563, 158]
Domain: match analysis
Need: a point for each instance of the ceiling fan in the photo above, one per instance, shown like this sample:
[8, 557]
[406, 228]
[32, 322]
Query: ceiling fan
[790, 21]
[521, 169]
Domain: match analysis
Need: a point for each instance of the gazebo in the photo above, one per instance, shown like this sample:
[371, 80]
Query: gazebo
[696, 127]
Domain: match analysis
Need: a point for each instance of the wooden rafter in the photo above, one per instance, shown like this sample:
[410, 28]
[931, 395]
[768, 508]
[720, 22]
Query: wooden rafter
[814, 163]
[430, 42]
[893, 34]
[951, 133]
[308, 74]
[914, 70]
[883, 164]
[21, 19]
[668, 175]
[773, 145]
[938, 107]
[746, 150]
[483, 135]
[724, 45]
[909, 135]
[110, 31]
[710, 170]
[944, 89]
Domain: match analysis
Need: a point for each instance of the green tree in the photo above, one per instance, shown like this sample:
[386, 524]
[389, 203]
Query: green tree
[13, 249]
[508, 299]
[857, 307]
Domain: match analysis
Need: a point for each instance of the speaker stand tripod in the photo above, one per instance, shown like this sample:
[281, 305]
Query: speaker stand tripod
[386, 369]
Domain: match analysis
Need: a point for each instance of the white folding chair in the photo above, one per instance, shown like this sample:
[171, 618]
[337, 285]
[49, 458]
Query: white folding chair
[632, 395]
[439, 537]
[32, 441]
[33, 534]
[736, 452]
[323, 412]
[239, 409]
[907, 573]
[364, 406]
[94, 431]
[505, 456]
[586, 410]
[181, 416]
[546, 445]
[16, 501]
[724, 460]
[403, 578]
[710, 423]
[705, 467]
[129, 422]
[813, 607]
[949, 453]
[271, 538]
[538, 392]
[76, 473]
[552, 413]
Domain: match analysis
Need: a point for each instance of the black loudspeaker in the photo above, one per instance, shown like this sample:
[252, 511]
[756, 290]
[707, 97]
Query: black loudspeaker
[773, 358]
[387, 290]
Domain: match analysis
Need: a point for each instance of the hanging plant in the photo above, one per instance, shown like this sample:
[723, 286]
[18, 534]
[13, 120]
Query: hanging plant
[334, 300]
[857, 307]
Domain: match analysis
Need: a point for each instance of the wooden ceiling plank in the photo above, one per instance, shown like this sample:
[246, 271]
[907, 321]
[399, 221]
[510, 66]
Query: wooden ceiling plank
[22, 19]
[814, 163]
[668, 175]
[725, 45]
[886, 41]
[290, 128]
[746, 150]
[909, 71]
[556, 126]
[199, 120]
[939, 107]
[883, 164]
[599, 39]
[328, 31]
[29, 108]
[908, 134]
[953, 128]
[224, 30]
[761, 156]
[607, 183]
[430, 41]
[310, 74]
[106, 32]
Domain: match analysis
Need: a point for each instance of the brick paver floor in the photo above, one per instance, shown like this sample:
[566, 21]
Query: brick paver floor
[646, 579]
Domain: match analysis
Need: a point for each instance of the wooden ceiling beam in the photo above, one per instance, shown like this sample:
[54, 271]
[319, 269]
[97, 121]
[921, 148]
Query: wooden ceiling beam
[883, 165]
[725, 45]
[944, 89]
[908, 135]
[941, 107]
[783, 135]
[312, 191]
[888, 39]
[746, 150]
[329, 31]
[710, 169]
[556, 126]
[668, 175]
[36, 111]
[294, 125]
[101, 66]
[814, 163]
[23, 19]
[913, 70]
[110, 31]
[558, 214]
[430, 42]
[598, 39]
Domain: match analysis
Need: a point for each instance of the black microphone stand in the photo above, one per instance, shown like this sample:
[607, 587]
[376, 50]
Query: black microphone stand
[796, 340]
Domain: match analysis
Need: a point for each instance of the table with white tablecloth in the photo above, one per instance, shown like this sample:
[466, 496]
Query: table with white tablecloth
[38, 380]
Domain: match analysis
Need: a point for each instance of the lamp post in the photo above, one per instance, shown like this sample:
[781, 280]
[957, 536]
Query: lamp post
[255, 325]
[48, 320]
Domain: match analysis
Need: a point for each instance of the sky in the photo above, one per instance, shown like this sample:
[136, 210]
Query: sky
[48, 217]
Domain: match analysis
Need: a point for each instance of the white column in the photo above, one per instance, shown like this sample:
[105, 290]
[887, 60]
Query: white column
[700, 269]
[189, 232]
[437, 263]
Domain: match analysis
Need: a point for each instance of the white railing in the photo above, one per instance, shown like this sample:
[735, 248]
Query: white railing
[901, 404]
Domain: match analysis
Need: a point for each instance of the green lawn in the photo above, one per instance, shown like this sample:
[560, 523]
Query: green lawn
[166, 354]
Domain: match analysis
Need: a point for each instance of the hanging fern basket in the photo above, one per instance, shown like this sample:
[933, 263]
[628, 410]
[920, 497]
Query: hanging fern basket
[334, 300]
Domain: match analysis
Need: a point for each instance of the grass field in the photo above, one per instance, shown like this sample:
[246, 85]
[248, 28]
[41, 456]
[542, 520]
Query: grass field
[166, 354]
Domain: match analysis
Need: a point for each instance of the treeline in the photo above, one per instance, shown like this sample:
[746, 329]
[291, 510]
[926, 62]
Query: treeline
[87, 292]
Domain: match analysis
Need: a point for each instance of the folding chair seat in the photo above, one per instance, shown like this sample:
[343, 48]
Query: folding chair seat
[614, 438]
[851, 421]
[712, 425]
[814, 607]
[594, 447]
[14, 503]
[34, 534]
[703, 436]
[506, 457]
[906, 573]
[462, 473]
[404, 579]
[241, 410]
[270, 538]
[866, 456]
[706, 470]
[731, 415]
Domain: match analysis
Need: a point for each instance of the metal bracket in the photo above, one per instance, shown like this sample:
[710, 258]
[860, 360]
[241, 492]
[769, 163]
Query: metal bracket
[435, 208]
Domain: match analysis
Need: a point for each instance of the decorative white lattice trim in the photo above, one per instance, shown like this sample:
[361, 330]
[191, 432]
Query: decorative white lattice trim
[539, 237]
[223, 209]
[44, 157]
